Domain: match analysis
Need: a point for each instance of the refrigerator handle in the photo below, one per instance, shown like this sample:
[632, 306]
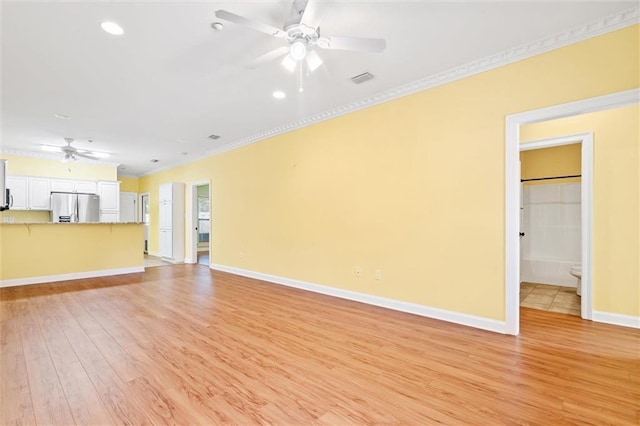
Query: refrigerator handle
[77, 209]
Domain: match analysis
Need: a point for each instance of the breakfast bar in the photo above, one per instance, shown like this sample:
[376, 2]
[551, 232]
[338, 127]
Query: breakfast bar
[40, 252]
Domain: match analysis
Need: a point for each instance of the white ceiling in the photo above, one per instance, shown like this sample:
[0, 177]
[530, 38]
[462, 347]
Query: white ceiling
[170, 81]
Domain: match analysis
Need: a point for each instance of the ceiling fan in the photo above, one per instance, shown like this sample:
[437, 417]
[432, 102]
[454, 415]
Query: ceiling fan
[71, 153]
[302, 34]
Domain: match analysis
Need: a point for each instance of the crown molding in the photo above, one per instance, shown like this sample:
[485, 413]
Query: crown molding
[55, 156]
[558, 40]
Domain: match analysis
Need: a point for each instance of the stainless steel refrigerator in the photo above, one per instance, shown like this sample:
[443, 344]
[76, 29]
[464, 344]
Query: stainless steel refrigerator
[74, 207]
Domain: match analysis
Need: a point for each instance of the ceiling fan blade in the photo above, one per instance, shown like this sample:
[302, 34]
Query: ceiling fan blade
[258, 26]
[309, 15]
[373, 45]
[269, 56]
[85, 155]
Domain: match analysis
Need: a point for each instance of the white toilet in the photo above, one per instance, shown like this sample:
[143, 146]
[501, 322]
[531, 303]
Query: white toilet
[576, 271]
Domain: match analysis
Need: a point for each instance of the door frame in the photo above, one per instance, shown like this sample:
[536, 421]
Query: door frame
[139, 216]
[192, 220]
[586, 208]
[512, 184]
[136, 201]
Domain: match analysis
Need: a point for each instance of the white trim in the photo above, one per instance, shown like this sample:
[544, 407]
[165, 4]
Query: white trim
[616, 319]
[72, 276]
[586, 209]
[397, 305]
[153, 253]
[512, 183]
[573, 35]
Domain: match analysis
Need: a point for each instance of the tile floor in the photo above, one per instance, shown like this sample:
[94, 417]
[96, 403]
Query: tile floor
[152, 261]
[550, 298]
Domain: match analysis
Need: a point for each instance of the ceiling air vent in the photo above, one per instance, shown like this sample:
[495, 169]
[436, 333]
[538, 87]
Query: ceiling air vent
[361, 78]
[214, 137]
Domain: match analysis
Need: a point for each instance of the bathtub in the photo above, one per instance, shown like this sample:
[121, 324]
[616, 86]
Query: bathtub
[554, 272]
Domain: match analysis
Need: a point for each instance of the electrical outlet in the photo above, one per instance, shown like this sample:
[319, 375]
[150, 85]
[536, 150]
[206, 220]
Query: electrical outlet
[7, 219]
[358, 271]
[378, 274]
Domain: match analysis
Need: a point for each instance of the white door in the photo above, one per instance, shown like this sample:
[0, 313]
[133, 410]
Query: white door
[128, 202]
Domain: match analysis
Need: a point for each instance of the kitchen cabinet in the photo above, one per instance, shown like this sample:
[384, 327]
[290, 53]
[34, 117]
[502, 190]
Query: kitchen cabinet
[19, 195]
[109, 193]
[68, 185]
[34, 193]
[39, 193]
[29, 193]
[171, 221]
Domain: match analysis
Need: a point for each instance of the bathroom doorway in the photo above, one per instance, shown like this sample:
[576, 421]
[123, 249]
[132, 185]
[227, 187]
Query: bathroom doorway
[145, 219]
[550, 225]
[201, 223]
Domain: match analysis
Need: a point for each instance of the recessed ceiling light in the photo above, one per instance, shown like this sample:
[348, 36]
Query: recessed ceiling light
[218, 26]
[62, 116]
[112, 28]
[279, 94]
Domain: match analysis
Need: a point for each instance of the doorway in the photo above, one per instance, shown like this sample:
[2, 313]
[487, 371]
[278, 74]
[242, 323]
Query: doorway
[200, 223]
[128, 201]
[512, 194]
[550, 224]
[144, 218]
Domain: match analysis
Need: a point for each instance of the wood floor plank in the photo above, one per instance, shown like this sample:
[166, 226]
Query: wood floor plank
[184, 345]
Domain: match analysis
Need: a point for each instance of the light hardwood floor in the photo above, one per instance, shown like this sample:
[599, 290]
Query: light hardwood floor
[184, 345]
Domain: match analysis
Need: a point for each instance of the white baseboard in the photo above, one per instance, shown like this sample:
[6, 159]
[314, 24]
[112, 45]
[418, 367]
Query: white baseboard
[66, 277]
[397, 305]
[153, 253]
[189, 260]
[616, 319]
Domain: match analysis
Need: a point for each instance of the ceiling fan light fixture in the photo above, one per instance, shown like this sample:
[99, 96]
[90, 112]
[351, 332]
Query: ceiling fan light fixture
[289, 63]
[298, 50]
[313, 61]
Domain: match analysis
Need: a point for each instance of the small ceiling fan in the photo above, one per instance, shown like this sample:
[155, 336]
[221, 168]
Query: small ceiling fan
[302, 34]
[71, 153]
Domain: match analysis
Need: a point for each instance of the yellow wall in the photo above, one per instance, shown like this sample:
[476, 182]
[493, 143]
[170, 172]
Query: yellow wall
[128, 184]
[616, 202]
[414, 187]
[26, 215]
[562, 160]
[52, 249]
[32, 166]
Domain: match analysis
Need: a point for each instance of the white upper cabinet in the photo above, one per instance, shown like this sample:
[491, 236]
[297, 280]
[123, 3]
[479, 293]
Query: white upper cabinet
[19, 195]
[34, 192]
[62, 185]
[39, 193]
[68, 185]
[165, 192]
[109, 193]
[86, 186]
